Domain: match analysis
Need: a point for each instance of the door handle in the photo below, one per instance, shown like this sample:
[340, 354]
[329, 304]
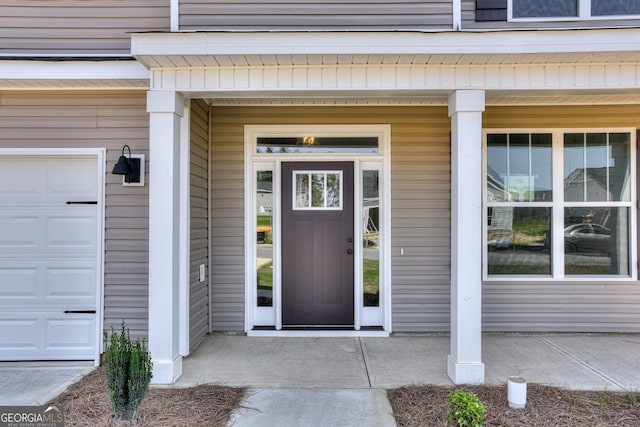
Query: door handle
[350, 251]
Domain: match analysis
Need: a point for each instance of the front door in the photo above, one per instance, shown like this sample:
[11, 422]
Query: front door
[317, 244]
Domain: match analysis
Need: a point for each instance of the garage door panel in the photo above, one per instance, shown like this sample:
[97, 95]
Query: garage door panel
[71, 180]
[47, 179]
[45, 335]
[20, 179]
[72, 286]
[71, 334]
[68, 230]
[18, 284]
[29, 284]
[74, 231]
[19, 232]
[49, 257]
[21, 334]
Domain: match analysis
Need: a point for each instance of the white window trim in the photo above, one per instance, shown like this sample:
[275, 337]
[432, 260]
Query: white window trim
[557, 213]
[584, 14]
[254, 161]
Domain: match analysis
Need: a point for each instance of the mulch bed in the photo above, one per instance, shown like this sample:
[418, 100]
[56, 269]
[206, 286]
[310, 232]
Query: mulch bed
[86, 403]
[546, 406]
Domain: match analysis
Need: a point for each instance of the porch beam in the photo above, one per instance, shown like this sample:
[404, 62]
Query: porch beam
[464, 363]
[165, 110]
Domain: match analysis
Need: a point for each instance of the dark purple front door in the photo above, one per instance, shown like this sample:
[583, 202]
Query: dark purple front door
[317, 244]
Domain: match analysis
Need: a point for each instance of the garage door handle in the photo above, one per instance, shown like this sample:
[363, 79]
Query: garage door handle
[83, 203]
[79, 312]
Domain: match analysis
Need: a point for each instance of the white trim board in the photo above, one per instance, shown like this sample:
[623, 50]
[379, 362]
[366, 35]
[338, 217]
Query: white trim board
[358, 43]
[42, 75]
[363, 316]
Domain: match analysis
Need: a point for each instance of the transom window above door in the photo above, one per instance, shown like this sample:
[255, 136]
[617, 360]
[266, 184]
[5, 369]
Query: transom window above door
[317, 144]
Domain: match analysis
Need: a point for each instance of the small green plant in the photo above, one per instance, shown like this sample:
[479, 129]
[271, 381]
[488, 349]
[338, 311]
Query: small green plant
[633, 395]
[602, 398]
[575, 402]
[129, 371]
[466, 409]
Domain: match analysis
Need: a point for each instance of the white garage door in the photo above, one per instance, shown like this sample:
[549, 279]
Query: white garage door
[49, 231]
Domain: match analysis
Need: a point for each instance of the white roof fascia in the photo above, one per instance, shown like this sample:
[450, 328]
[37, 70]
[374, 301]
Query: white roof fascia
[327, 43]
[72, 70]
[73, 75]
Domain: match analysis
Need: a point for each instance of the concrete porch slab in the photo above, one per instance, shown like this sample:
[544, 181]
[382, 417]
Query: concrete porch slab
[533, 359]
[277, 363]
[397, 361]
[616, 358]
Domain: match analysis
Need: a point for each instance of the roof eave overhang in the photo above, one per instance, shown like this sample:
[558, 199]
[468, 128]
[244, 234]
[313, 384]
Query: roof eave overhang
[184, 49]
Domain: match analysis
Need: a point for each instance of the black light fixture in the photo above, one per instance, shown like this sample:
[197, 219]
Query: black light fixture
[128, 166]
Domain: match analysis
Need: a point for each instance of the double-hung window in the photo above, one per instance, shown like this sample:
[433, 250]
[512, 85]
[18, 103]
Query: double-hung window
[573, 9]
[559, 204]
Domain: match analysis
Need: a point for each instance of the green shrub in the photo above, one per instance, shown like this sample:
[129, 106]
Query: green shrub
[466, 409]
[129, 370]
[140, 372]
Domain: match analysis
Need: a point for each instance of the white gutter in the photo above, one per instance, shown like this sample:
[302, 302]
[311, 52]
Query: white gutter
[413, 43]
[72, 70]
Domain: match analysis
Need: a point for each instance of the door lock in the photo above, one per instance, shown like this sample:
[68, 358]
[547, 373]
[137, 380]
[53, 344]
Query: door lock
[350, 251]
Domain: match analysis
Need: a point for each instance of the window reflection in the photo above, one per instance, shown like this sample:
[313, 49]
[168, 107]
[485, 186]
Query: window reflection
[318, 190]
[264, 238]
[371, 239]
[596, 240]
[596, 167]
[518, 240]
[519, 167]
[311, 144]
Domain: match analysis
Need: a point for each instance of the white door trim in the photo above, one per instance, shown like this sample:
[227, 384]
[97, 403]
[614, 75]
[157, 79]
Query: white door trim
[272, 161]
[100, 156]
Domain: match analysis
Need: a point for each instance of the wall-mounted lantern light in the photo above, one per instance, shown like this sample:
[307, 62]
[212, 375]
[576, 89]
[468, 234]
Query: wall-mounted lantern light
[131, 168]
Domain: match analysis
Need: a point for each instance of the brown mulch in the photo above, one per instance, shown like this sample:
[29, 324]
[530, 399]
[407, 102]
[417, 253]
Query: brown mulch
[546, 406]
[86, 403]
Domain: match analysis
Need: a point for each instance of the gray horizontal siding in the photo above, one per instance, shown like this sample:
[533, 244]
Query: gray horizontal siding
[97, 120]
[198, 291]
[227, 212]
[75, 27]
[561, 307]
[421, 221]
[315, 14]
[469, 22]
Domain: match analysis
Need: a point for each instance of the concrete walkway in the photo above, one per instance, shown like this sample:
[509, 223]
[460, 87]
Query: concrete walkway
[35, 383]
[342, 381]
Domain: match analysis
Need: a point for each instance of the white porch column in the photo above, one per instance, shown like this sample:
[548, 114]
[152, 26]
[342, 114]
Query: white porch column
[166, 109]
[464, 364]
